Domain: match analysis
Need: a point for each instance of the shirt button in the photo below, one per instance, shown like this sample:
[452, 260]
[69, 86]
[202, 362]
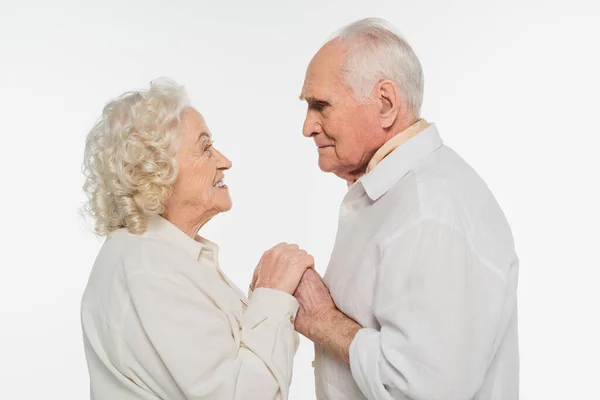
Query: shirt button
[349, 207]
[292, 319]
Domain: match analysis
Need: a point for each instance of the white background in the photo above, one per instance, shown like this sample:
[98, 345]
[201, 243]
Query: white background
[513, 86]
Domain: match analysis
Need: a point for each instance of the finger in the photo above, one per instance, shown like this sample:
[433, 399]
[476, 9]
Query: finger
[295, 256]
[300, 264]
[279, 246]
[283, 248]
[299, 255]
[309, 261]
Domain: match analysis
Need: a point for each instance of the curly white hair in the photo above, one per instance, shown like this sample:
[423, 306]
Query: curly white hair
[129, 163]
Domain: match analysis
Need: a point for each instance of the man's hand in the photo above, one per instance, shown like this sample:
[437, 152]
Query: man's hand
[318, 318]
[315, 302]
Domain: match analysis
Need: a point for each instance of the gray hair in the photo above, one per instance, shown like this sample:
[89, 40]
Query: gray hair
[377, 52]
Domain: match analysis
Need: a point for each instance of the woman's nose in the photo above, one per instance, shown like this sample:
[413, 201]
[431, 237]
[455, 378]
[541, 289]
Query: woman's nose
[224, 162]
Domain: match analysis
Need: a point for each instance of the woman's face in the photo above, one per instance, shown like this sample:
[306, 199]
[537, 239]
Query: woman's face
[199, 186]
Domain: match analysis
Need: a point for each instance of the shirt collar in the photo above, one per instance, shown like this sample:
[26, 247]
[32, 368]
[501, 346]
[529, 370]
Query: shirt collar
[160, 228]
[385, 174]
[396, 142]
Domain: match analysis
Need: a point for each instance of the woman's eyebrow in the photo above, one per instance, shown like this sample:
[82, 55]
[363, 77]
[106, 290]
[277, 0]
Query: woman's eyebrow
[203, 134]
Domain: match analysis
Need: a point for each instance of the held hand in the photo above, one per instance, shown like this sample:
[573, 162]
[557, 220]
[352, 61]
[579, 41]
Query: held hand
[315, 302]
[282, 267]
[320, 321]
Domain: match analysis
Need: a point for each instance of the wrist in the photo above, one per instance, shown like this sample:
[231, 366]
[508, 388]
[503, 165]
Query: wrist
[272, 303]
[334, 331]
[321, 323]
[274, 286]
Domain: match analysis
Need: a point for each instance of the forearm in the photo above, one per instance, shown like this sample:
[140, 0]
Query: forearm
[268, 332]
[334, 332]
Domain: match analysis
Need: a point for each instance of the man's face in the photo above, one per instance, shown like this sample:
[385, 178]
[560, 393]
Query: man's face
[346, 133]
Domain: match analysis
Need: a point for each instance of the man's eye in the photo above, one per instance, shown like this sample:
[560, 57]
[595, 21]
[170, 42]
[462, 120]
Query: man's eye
[318, 106]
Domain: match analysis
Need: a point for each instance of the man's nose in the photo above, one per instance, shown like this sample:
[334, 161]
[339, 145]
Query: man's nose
[311, 127]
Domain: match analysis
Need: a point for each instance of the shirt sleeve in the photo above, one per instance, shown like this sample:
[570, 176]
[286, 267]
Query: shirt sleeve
[440, 306]
[193, 340]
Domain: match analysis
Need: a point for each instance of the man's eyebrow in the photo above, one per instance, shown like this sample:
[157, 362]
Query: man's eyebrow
[312, 102]
[311, 99]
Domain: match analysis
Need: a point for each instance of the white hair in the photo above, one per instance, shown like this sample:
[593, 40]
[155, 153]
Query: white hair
[377, 52]
[129, 162]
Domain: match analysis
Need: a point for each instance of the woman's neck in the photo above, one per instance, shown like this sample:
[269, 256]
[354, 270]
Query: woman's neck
[188, 222]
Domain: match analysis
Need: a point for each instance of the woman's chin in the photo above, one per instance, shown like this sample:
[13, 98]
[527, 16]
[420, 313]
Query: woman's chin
[225, 205]
[221, 202]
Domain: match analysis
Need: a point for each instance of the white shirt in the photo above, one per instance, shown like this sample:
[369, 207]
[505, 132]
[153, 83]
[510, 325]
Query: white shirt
[424, 260]
[161, 321]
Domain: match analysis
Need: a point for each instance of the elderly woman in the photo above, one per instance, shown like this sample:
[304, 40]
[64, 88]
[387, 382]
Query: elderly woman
[160, 319]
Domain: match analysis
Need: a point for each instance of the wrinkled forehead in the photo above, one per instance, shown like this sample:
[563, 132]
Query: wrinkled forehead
[324, 73]
[195, 124]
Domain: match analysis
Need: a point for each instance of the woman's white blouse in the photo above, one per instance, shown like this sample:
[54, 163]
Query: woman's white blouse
[161, 321]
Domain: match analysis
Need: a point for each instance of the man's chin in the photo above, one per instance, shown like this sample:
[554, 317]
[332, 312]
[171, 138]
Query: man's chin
[325, 165]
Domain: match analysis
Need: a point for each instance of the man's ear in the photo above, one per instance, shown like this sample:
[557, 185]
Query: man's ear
[389, 97]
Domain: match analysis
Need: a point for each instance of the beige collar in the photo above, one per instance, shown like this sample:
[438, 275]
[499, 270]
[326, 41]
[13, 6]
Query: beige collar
[396, 142]
[160, 228]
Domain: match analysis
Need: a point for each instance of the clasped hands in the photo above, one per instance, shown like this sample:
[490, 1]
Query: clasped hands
[288, 268]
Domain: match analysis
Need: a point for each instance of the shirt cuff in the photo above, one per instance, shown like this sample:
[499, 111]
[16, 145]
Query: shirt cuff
[365, 351]
[270, 303]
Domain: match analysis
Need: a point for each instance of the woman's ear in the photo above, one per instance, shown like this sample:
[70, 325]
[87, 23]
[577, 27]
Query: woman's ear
[389, 97]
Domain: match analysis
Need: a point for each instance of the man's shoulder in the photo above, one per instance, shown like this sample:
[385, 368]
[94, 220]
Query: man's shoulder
[443, 187]
[450, 191]
[446, 178]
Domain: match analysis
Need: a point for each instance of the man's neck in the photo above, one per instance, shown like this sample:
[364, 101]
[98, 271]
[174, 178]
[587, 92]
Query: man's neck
[399, 126]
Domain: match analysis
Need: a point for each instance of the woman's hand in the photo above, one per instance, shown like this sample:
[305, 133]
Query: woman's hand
[281, 268]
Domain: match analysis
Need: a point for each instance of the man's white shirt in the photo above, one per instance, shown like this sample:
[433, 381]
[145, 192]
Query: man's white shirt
[424, 260]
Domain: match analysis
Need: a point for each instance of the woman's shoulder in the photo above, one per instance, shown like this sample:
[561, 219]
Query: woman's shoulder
[146, 254]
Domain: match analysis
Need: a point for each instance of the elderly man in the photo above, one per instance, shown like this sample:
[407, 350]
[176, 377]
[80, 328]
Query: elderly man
[423, 274]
